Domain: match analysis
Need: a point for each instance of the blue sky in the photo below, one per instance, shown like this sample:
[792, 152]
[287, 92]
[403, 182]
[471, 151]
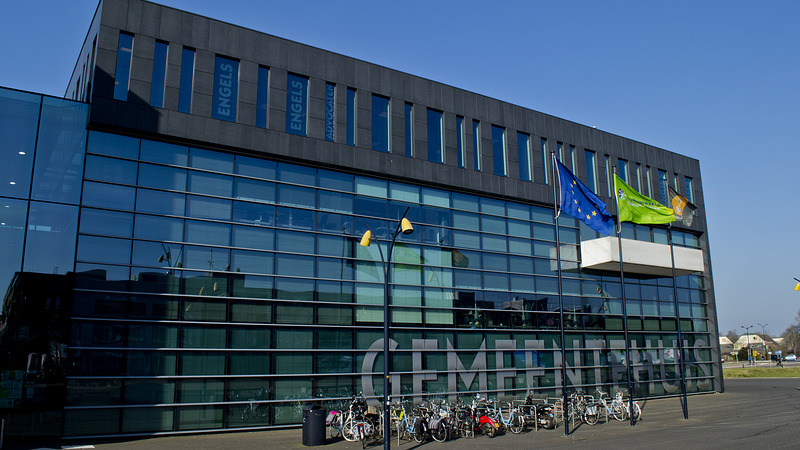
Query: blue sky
[715, 80]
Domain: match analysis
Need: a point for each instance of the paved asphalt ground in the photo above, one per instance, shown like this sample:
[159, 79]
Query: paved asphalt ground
[753, 413]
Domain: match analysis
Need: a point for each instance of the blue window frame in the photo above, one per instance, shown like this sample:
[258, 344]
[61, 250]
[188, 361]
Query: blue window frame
[262, 96]
[380, 123]
[122, 74]
[545, 165]
[460, 140]
[187, 81]
[476, 144]
[524, 149]
[330, 112]
[351, 116]
[296, 104]
[662, 186]
[689, 189]
[435, 141]
[623, 170]
[158, 82]
[499, 150]
[226, 83]
[591, 170]
[409, 124]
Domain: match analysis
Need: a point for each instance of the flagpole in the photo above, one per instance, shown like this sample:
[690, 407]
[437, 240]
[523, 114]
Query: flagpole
[556, 202]
[682, 364]
[618, 229]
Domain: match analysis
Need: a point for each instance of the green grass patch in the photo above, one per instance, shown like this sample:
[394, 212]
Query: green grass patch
[761, 372]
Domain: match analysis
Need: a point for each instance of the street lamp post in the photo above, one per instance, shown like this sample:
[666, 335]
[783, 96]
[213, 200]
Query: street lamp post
[747, 335]
[763, 340]
[404, 227]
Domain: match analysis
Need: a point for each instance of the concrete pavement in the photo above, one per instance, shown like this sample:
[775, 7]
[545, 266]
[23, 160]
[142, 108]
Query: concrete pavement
[752, 413]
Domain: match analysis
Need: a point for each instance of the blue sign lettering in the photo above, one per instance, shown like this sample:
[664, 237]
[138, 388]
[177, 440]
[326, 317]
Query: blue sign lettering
[226, 80]
[330, 91]
[296, 104]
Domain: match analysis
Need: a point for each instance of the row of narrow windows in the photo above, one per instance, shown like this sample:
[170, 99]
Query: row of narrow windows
[224, 107]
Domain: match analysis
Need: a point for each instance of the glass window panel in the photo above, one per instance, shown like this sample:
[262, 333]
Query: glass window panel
[335, 180]
[405, 305]
[466, 239]
[255, 190]
[351, 116]
[296, 104]
[491, 224]
[380, 123]
[494, 243]
[335, 223]
[296, 196]
[404, 192]
[467, 221]
[293, 173]
[250, 312]
[476, 144]
[435, 197]
[335, 268]
[160, 202]
[162, 177]
[187, 81]
[297, 219]
[253, 237]
[295, 265]
[13, 216]
[469, 279]
[203, 363]
[255, 167]
[369, 206]
[295, 242]
[465, 202]
[19, 119]
[524, 149]
[123, 68]
[60, 149]
[226, 82]
[335, 246]
[295, 289]
[104, 250]
[547, 232]
[366, 296]
[460, 141]
[202, 337]
[495, 281]
[372, 187]
[208, 233]
[254, 214]
[499, 150]
[591, 170]
[211, 160]
[110, 170]
[492, 206]
[163, 153]
[435, 136]
[253, 286]
[408, 122]
[157, 254]
[109, 223]
[252, 262]
[51, 237]
[206, 310]
[336, 202]
[523, 283]
[205, 258]
[211, 184]
[519, 228]
[333, 291]
[158, 81]
[158, 228]
[208, 208]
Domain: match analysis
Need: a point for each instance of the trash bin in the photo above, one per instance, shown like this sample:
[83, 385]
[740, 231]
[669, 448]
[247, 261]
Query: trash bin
[314, 425]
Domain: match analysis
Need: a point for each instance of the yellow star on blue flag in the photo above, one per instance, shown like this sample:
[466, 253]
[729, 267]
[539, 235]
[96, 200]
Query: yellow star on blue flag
[580, 202]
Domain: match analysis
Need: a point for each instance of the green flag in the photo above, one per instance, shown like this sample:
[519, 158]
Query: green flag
[635, 207]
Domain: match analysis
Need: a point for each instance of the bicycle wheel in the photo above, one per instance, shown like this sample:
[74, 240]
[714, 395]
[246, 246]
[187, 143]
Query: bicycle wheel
[336, 426]
[517, 424]
[440, 433]
[637, 412]
[618, 411]
[349, 430]
[591, 414]
[489, 430]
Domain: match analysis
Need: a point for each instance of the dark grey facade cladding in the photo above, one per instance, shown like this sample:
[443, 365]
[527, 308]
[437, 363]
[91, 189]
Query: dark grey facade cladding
[149, 21]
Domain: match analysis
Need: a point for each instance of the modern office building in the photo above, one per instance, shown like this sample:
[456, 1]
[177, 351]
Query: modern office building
[181, 235]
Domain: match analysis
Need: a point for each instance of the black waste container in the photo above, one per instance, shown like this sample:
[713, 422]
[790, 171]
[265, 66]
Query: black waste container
[314, 425]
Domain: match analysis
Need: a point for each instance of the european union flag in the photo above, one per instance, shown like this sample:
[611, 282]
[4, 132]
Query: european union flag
[579, 201]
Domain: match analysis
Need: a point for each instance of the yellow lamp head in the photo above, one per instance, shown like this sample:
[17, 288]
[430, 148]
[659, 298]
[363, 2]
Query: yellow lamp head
[797, 287]
[405, 226]
[366, 238]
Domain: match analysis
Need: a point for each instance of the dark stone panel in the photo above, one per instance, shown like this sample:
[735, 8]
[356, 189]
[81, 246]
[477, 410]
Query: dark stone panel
[115, 13]
[134, 19]
[171, 25]
[151, 19]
